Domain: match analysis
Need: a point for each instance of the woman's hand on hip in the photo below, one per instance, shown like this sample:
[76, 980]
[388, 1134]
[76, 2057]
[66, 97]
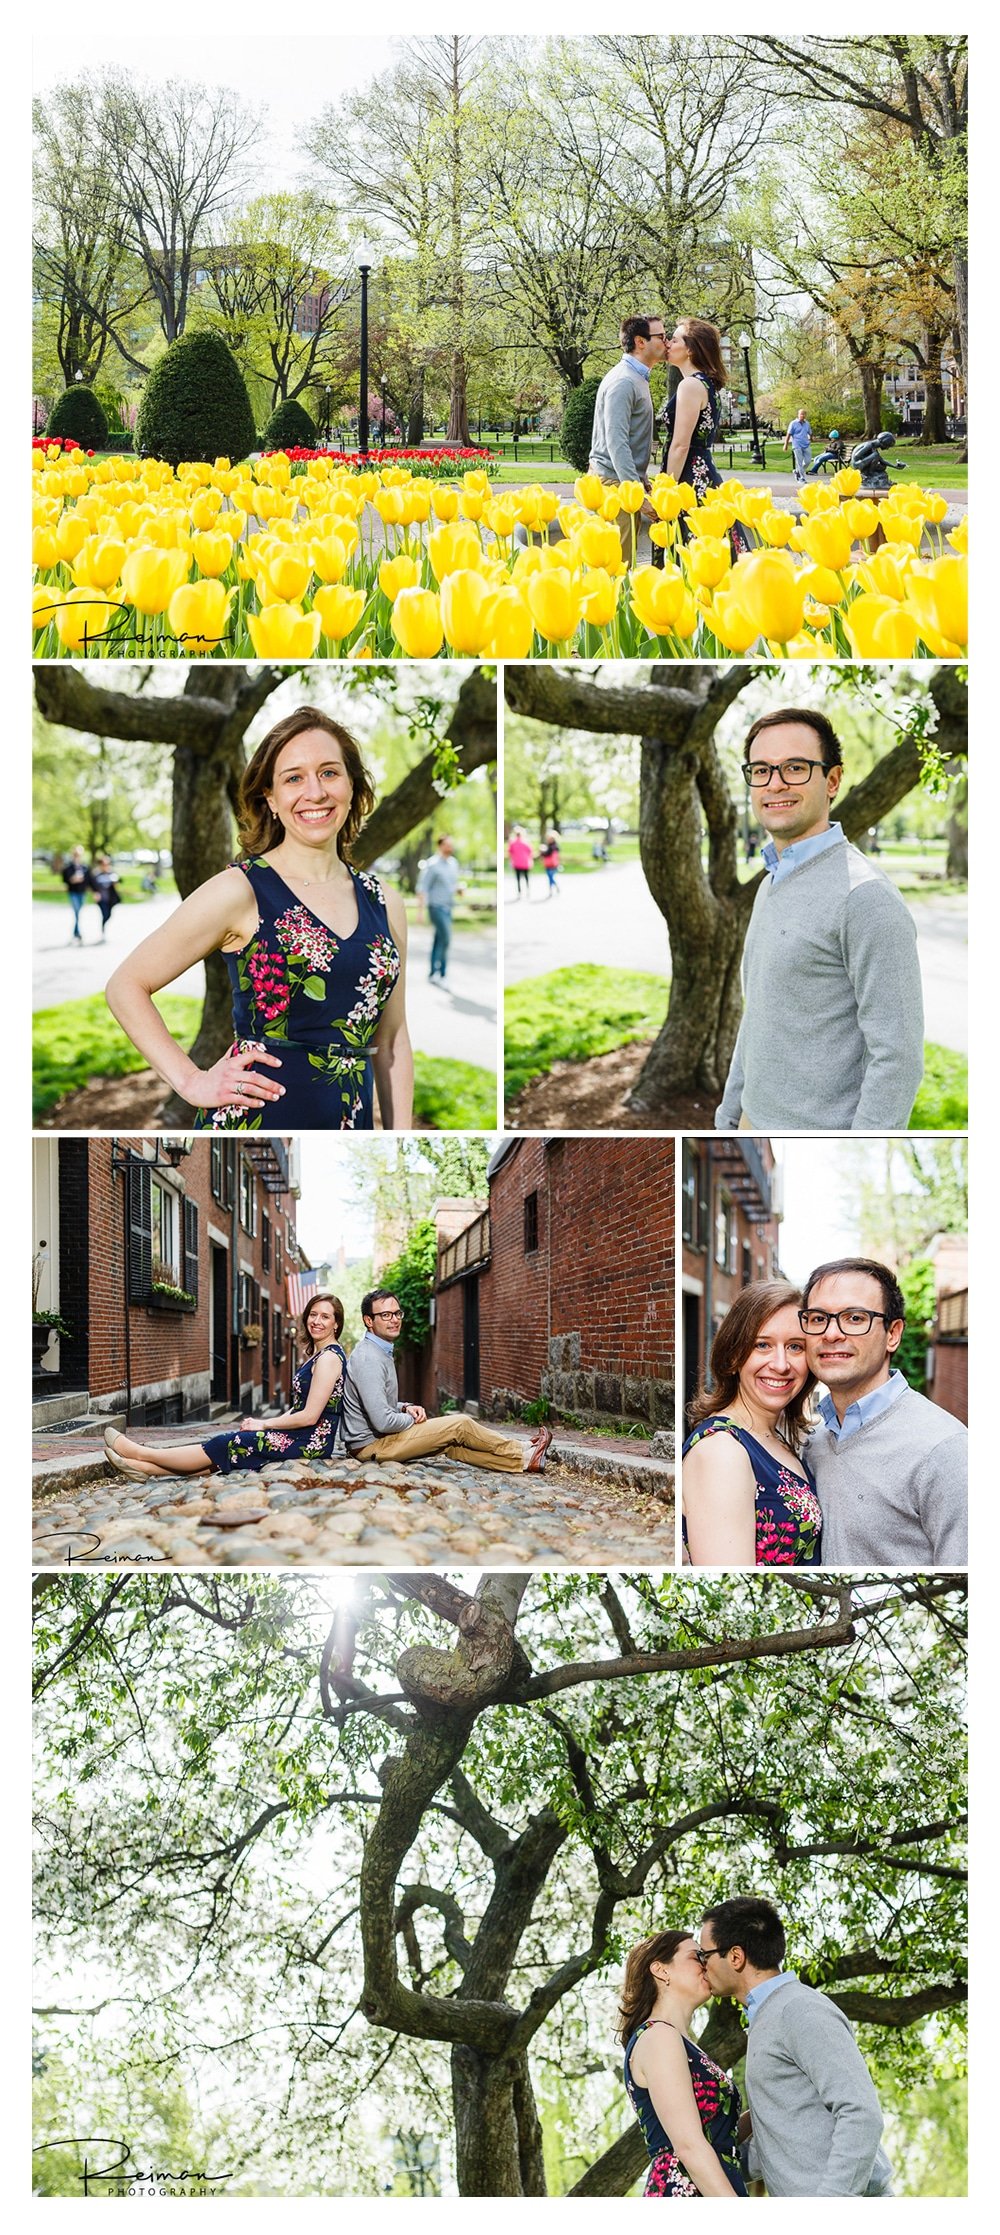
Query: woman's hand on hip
[236, 1083]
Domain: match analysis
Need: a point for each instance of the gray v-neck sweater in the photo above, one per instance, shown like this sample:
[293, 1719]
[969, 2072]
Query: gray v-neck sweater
[832, 1036]
[895, 1492]
[817, 2121]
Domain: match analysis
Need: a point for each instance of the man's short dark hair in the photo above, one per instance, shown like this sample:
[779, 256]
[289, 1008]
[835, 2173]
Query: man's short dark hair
[374, 1296]
[751, 1923]
[636, 329]
[893, 1300]
[832, 755]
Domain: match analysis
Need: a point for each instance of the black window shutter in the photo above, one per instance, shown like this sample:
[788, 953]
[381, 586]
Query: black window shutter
[189, 1277]
[140, 1230]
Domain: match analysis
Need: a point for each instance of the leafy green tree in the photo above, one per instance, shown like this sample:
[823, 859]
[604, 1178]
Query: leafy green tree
[195, 404]
[347, 1851]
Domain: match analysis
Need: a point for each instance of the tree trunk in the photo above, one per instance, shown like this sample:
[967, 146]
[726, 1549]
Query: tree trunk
[958, 835]
[934, 428]
[458, 409]
[872, 377]
[202, 838]
[498, 2141]
[692, 1050]
[415, 414]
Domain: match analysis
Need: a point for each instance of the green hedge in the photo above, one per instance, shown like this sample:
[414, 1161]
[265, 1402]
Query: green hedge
[578, 423]
[78, 417]
[289, 428]
[195, 405]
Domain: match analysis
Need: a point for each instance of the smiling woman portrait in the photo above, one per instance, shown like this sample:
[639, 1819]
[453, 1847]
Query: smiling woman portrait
[316, 954]
[749, 1500]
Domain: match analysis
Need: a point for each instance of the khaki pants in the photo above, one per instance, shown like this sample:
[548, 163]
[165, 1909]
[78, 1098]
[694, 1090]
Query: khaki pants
[456, 1431]
[624, 527]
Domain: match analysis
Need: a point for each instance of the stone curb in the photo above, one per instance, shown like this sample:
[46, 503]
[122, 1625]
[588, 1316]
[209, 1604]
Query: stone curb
[650, 1475]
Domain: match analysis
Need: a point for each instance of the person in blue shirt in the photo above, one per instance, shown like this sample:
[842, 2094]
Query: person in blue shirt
[438, 886]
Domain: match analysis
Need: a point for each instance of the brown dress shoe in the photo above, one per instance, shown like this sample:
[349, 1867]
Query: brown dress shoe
[540, 1445]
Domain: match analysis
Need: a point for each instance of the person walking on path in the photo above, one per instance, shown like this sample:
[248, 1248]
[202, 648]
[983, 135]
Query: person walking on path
[550, 862]
[799, 434]
[521, 854]
[78, 880]
[106, 888]
[621, 444]
[378, 1426]
[438, 886]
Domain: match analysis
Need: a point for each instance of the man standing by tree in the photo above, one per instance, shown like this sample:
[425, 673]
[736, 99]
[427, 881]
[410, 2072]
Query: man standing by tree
[832, 1035]
[437, 888]
[378, 1426]
[891, 1469]
[799, 434]
[622, 441]
[816, 2119]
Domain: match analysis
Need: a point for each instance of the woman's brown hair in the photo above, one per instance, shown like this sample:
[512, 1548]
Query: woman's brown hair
[639, 1988]
[324, 1297]
[704, 343]
[259, 829]
[731, 1349]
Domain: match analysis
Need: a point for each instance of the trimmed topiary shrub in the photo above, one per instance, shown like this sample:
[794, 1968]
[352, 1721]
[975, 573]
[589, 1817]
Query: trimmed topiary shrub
[195, 405]
[289, 428]
[78, 418]
[578, 423]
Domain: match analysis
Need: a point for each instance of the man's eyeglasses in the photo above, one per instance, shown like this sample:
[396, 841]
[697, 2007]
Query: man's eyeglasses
[852, 1321]
[759, 773]
[387, 1315]
[704, 1955]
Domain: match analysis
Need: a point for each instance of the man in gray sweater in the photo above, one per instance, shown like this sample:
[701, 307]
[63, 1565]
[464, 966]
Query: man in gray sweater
[378, 1426]
[891, 1469]
[622, 440]
[816, 2121]
[832, 1036]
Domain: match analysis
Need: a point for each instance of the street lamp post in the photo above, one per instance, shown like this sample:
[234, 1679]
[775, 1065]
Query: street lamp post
[745, 346]
[364, 269]
[382, 384]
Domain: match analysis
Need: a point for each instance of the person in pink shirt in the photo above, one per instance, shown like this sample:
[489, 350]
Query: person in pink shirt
[521, 854]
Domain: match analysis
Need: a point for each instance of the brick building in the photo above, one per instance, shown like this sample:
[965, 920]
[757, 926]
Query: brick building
[948, 1347]
[730, 1213]
[562, 1285]
[167, 1260]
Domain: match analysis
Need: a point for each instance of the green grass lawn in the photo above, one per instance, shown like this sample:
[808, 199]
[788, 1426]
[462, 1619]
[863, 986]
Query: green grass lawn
[46, 885]
[79, 1041]
[569, 1015]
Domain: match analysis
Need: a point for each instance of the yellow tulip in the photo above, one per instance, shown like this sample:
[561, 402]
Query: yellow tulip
[939, 595]
[901, 526]
[44, 548]
[823, 585]
[599, 593]
[511, 626]
[477, 481]
[879, 629]
[388, 504]
[610, 506]
[71, 535]
[198, 613]
[814, 496]
[284, 632]
[657, 596]
[631, 496]
[710, 519]
[528, 561]
[204, 507]
[401, 573]
[339, 608]
[708, 560]
[43, 601]
[959, 537]
[861, 516]
[827, 538]
[663, 535]
[667, 500]
[589, 491]
[445, 503]
[555, 604]
[776, 528]
[767, 587]
[287, 571]
[211, 551]
[417, 623]
[472, 504]
[600, 545]
[395, 477]
[150, 577]
[416, 505]
[847, 482]
[329, 555]
[887, 571]
[754, 505]
[466, 602]
[81, 617]
[100, 563]
[451, 547]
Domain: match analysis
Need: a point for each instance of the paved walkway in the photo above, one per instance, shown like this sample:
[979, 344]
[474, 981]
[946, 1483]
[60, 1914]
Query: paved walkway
[601, 1501]
[457, 1019]
[608, 916]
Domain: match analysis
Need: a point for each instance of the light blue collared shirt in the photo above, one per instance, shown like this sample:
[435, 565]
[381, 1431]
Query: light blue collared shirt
[380, 1340]
[635, 365]
[803, 849]
[864, 1408]
[757, 1995]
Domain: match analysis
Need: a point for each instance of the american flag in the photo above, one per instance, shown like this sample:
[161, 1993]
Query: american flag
[300, 1287]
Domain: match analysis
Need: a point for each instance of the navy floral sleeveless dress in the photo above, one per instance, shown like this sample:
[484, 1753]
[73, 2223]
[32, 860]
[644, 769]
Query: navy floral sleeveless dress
[254, 1448]
[719, 2107]
[788, 1515]
[699, 466]
[313, 999]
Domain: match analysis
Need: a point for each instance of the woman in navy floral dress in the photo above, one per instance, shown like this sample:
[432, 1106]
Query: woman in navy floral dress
[691, 418]
[308, 1431]
[315, 952]
[688, 2108]
[749, 1499]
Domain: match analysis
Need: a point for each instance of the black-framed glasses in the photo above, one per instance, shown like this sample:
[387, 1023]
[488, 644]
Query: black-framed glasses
[704, 1955]
[759, 773]
[387, 1315]
[853, 1320]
